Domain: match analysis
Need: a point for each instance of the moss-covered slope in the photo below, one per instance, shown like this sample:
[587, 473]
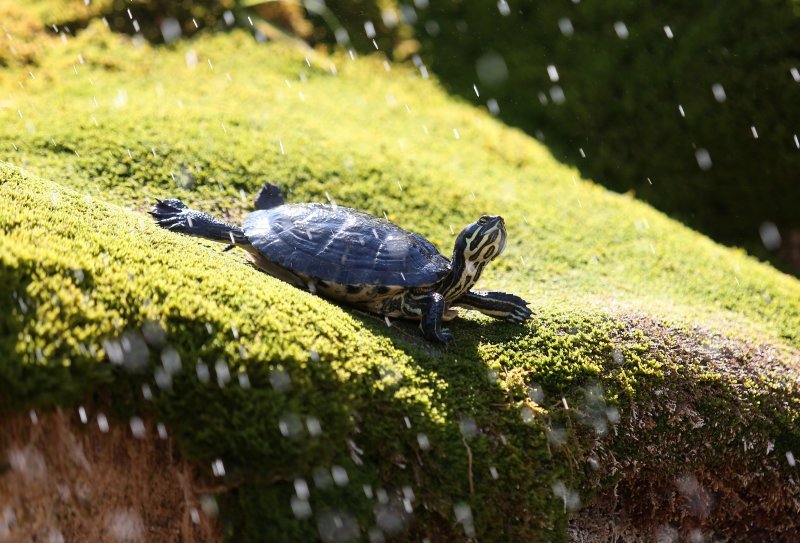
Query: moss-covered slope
[499, 437]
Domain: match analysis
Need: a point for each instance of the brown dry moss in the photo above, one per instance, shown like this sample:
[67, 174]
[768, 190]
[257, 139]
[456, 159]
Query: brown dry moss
[64, 479]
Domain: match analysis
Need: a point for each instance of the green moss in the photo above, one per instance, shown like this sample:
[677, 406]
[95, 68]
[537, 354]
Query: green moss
[89, 273]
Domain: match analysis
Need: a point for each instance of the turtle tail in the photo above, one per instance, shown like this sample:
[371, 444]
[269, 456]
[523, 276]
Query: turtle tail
[174, 215]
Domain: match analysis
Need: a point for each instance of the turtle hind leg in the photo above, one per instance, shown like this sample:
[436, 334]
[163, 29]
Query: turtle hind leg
[499, 305]
[174, 215]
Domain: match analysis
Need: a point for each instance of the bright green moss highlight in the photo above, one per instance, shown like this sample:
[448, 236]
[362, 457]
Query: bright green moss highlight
[89, 145]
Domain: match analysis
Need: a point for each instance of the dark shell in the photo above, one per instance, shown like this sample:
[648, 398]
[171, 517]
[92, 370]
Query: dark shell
[344, 246]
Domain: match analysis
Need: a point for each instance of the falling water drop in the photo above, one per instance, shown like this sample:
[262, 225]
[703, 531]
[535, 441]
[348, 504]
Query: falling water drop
[703, 159]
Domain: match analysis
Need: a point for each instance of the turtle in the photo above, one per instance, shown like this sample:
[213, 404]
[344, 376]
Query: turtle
[367, 262]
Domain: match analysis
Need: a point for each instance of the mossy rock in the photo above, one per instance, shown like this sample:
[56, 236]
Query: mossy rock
[501, 437]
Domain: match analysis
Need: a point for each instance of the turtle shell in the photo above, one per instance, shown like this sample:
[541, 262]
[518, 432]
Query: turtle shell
[344, 246]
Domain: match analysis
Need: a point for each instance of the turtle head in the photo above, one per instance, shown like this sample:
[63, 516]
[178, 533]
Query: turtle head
[476, 245]
[482, 240]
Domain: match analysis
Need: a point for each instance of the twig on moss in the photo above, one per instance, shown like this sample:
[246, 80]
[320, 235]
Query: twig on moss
[469, 466]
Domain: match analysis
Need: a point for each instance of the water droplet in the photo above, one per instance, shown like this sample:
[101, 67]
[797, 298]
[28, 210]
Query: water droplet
[552, 73]
[527, 414]
[680, 110]
[493, 106]
[229, 18]
[535, 393]
[125, 525]
[339, 475]
[28, 462]
[667, 534]
[423, 441]
[770, 236]
[503, 7]
[129, 351]
[556, 435]
[391, 516]
[162, 430]
[493, 473]
[390, 18]
[218, 468]
[82, 414]
[280, 380]
[191, 58]
[163, 379]
[290, 426]
[341, 35]
[432, 28]
[463, 514]
[223, 372]
[467, 426]
[557, 95]
[8, 521]
[301, 508]
[171, 360]
[491, 69]
[203, 374]
[102, 422]
[612, 413]
[369, 29]
[621, 29]
[703, 159]
[719, 92]
[565, 25]
[382, 496]
[668, 32]
[171, 29]
[375, 535]
[137, 427]
[154, 334]
[790, 458]
[337, 527]
[754, 132]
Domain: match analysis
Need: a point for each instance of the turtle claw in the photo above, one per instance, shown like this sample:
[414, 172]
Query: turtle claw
[446, 337]
[519, 315]
[170, 214]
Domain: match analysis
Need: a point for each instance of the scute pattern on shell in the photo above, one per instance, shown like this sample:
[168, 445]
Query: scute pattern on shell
[344, 246]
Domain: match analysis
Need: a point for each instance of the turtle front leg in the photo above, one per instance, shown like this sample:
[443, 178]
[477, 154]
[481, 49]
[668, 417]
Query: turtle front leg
[429, 308]
[499, 305]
